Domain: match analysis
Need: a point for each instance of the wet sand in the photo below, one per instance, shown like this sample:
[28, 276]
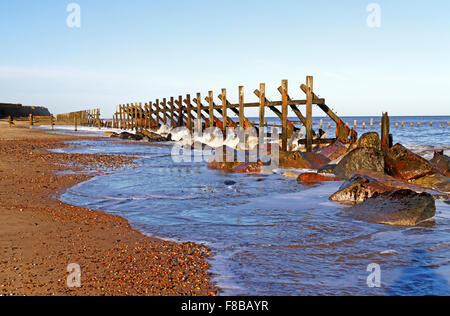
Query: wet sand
[40, 236]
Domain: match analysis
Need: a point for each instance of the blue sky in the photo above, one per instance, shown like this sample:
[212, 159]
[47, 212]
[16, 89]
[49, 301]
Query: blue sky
[140, 50]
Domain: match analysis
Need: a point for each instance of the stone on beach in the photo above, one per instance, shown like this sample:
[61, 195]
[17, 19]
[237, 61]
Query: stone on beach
[312, 177]
[435, 182]
[441, 163]
[111, 134]
[129, 136]
[366, 184]
[334, 151]
[302, 160]
[370, 140]
[399, 208]
[359, 159]
[328, 169]
[245, 167]
[404, 164]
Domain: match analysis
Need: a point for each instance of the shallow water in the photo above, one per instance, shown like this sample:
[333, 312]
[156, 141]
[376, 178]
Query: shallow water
[270, 235]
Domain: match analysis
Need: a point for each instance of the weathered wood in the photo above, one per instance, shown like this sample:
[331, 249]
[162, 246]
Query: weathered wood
[295, 109]
[172, 112]
[164, 109]
[318, 141]
[188, 112]
[224, 112]
[241, 107]
[199, 112]
[262, 102]
[385, 130]
[284, 111]
[211, 108]
[309, 126]
[98, 120]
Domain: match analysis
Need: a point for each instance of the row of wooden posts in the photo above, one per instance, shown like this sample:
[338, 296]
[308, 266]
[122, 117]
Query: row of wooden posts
[397, 125]
[184, 111]
[32, 120]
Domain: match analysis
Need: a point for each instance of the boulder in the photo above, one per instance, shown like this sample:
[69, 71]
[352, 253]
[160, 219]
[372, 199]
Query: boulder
[369, 140]
[403, 164]
[366, 184]
[435, 182]
[441, 163]
[312, 177]
[129, 136]
[399, 208]
[334, 151]
[361, 158]
[111, 135]
[225, 166]
[246, 167]
[328, 169]
[301, 160]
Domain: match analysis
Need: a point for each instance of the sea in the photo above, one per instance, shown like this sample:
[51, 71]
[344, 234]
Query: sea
[269, 235]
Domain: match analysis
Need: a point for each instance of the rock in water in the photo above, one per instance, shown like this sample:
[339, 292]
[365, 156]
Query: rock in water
[301, 160]
[400, 208]
[311, 177]
[370, 140]
[435, 182]
[361, 158]
[403, 164]
[334, 151]
[366, 184]
[111, 135]
[441, 163]
[328, 169]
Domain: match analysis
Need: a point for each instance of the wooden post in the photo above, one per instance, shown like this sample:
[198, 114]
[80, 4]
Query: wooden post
[364, 125]
[135, 116]
[188, 112]
[199, 113]
[172, 112]
[321, 124]
[31, 121]
[241, 107]
[75, 122]
[98, 120]
[309, 102]
[284, 111]
[211, 109]
[385, 129]
[262, 109]
[180, 111]
[157, 111]
[355, 125]
[52, 122]
[224, 112]
[371, 123]
[141, 117]
[164, 108]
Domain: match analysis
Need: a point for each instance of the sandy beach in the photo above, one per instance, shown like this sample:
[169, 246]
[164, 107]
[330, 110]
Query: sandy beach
[40, 236]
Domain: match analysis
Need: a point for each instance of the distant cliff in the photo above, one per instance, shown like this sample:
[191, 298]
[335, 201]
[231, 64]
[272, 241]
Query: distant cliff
[18, 110]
